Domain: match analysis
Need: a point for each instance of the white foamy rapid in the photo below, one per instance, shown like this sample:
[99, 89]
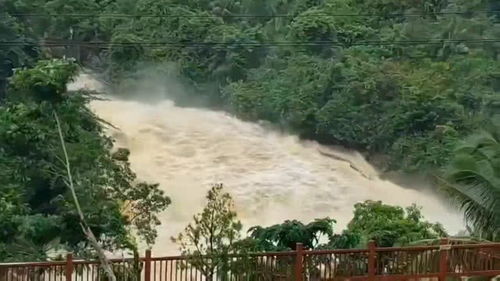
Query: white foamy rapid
[272, 177]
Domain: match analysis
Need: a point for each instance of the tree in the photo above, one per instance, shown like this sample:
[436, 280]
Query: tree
[14, 55]
[37, 206]
[210, 238]
[286, 235]
[390, 225]
[346, 240]
[473, 180]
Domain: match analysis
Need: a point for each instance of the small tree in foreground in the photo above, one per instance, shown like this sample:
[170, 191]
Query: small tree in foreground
[285, 236]
[210, 238]
[391, 225]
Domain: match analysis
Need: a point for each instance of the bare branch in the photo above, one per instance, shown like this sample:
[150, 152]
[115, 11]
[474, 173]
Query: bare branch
[105, 264]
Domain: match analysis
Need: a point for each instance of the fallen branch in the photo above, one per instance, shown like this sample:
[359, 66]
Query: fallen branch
[105, 264]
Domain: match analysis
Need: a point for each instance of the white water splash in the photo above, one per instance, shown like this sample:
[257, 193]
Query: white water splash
[272, 177]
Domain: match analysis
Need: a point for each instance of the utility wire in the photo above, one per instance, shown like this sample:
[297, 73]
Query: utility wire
[113, 15]
[248, 44]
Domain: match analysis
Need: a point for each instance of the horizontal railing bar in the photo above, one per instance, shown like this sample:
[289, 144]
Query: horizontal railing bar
[115, 261]
[32, 264]
[436, 247]
[475, 273]
[406, 249]
[476, 246]
[169, 258]
[58, 263]
[339, 251]
[271, 254]
[411, 274]
[404, 277]
[357, 277]
[264, 254]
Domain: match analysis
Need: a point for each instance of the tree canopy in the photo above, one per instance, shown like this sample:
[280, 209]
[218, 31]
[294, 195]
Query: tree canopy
[216, 231]
[213, 233]
[392, 226]
[286, 235]
[36, 206]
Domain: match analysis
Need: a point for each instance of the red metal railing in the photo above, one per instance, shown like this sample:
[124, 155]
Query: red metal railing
[437, 262]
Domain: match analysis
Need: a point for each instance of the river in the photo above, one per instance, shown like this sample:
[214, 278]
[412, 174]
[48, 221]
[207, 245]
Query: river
[272, 176]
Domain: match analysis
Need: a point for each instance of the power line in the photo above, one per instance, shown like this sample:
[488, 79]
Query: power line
[112, 15]
[282, 43]
[227, 45]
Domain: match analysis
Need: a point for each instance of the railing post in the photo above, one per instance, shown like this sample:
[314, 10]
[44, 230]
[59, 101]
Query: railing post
[147, 266]
[299, 262]
[372, 260]
[69, 267]
[444, 248]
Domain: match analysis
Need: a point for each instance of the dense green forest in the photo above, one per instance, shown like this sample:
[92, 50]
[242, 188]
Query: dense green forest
[415, 81]
[406, 79]
[37, 212]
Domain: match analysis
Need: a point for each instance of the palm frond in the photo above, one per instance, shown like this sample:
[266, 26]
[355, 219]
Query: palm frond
[473, 180]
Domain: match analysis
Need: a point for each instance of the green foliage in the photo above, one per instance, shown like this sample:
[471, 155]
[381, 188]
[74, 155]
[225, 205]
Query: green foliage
[61, 27]
[314, 29]
[387, 225]
[286, 235]
[390, 225]
[346, 240]
[473, 180]
[411, 111]
[13, 56]
[212, 234]
[37, 207]
[45, 82]
[125, 55]
[400, 6]
[412, 102]
[201, 64]
[280, 93]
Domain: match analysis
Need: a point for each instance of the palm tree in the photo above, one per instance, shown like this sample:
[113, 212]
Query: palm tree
[473, 180]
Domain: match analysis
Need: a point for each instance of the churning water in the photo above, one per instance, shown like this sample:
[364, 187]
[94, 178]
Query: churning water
[271, 176]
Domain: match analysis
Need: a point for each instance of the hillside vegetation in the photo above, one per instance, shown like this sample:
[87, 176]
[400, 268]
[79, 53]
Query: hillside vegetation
[415, 81]
[404, 78]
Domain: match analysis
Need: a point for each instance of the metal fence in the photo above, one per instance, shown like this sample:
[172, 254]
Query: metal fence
[439, 262]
